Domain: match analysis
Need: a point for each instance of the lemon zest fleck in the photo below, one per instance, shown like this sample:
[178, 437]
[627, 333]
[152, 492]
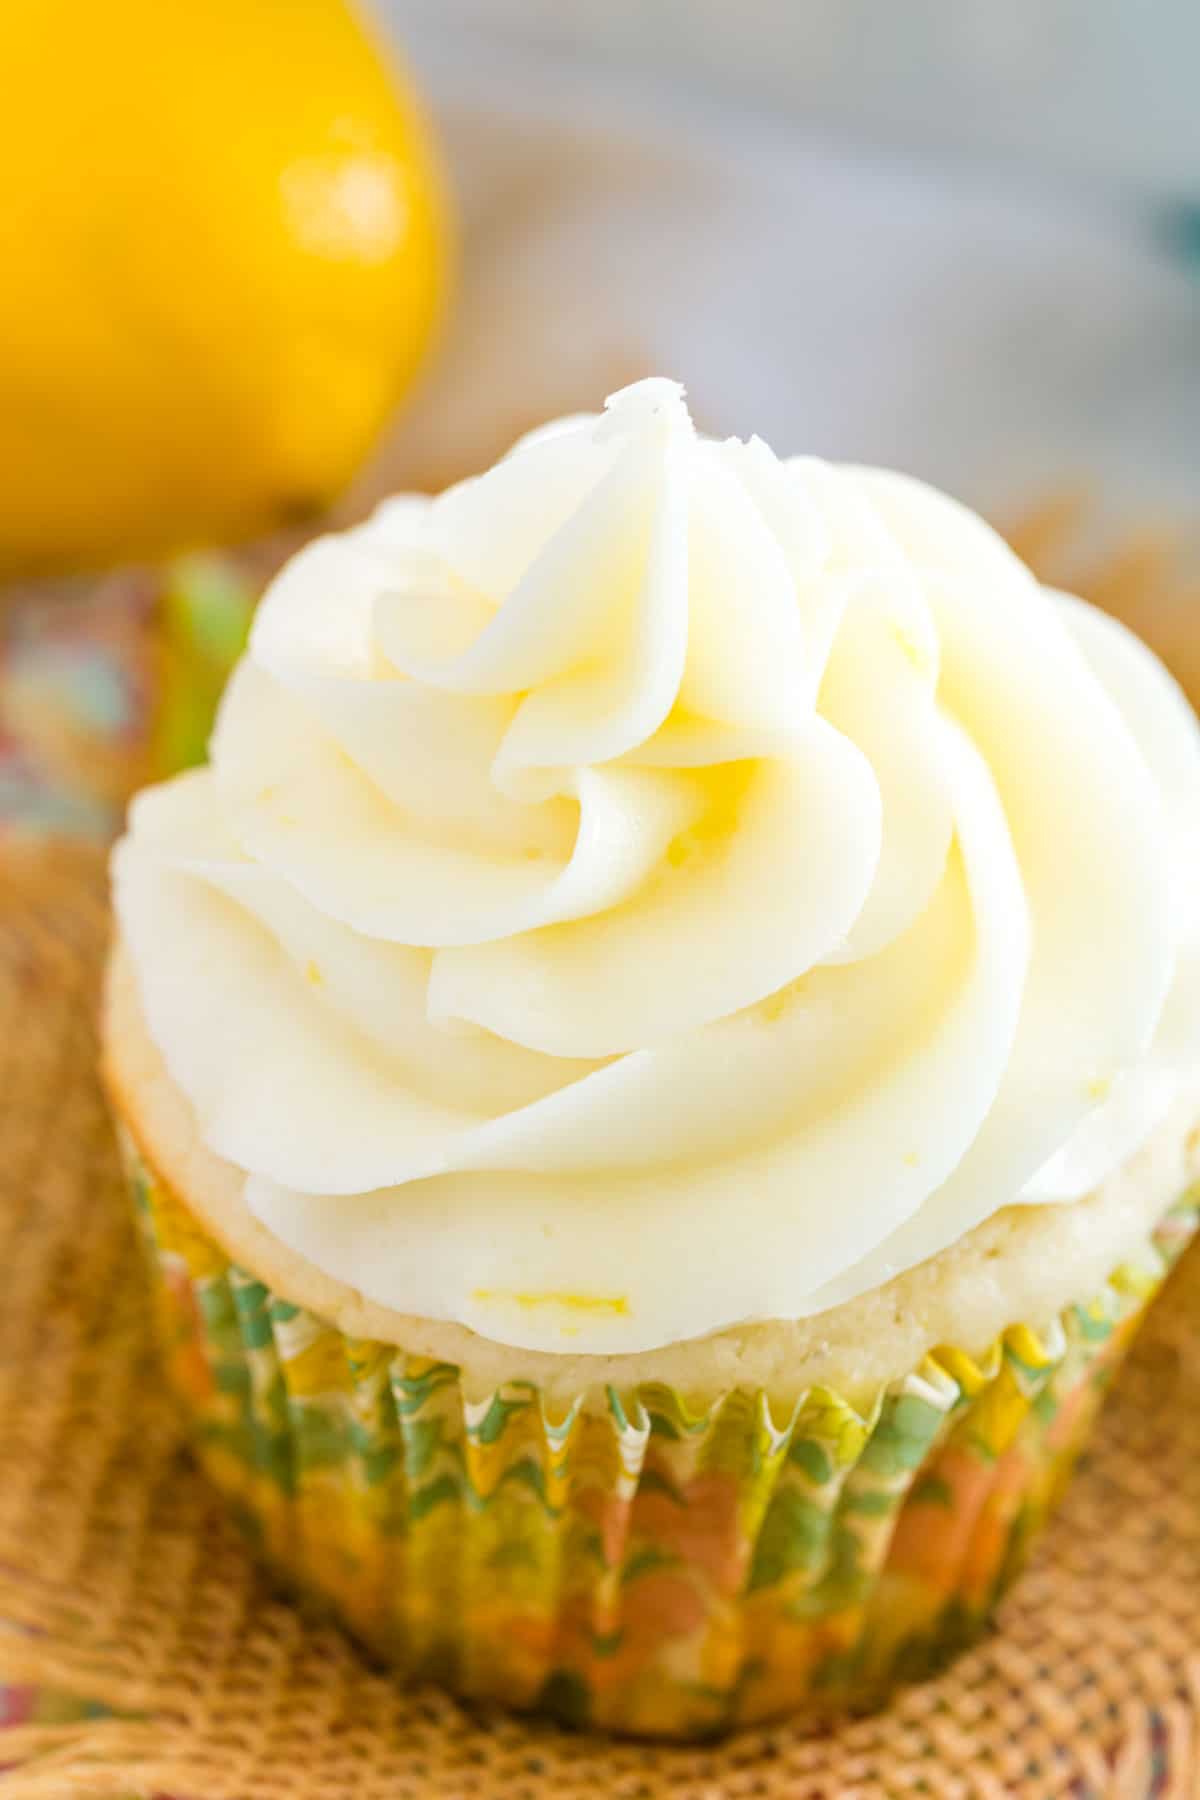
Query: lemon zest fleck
[914, 652]
[617, 1304]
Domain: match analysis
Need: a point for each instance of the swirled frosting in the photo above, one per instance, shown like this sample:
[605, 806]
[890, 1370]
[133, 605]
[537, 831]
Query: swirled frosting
[655, 885]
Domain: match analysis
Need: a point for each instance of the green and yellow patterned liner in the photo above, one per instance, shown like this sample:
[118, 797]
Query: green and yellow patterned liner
[633, 1566]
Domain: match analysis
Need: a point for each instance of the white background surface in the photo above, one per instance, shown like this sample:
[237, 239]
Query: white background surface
[995, 330]
[1095, 89]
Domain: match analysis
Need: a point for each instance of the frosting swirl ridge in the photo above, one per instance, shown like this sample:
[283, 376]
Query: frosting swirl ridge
[654, 885]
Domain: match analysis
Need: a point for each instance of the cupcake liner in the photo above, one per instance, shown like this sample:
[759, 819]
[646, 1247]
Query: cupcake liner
[627, 1563]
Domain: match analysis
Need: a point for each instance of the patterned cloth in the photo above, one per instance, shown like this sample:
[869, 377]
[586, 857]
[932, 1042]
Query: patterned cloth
[98, 694]
[103, 693]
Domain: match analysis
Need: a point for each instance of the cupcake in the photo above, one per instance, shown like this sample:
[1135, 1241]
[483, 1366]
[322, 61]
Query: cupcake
[659, 1064]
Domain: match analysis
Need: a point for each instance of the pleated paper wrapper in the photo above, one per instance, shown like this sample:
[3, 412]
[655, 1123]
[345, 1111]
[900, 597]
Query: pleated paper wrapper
[622, 1561]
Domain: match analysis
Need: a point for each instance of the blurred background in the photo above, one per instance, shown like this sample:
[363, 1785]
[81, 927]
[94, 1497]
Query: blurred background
[1097, 87]
[265, 262]
[955, 238]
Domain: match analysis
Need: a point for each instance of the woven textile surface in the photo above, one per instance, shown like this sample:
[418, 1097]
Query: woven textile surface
[124, 1584]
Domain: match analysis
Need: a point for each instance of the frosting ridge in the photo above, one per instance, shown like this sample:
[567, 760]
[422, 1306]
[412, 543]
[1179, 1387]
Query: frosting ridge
[653, 885]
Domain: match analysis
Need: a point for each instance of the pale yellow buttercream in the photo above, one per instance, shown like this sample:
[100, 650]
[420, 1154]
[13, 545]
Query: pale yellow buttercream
[656, 886]
[1022, 1265]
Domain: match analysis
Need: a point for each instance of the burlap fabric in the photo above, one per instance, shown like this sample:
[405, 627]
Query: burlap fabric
[124, 1583]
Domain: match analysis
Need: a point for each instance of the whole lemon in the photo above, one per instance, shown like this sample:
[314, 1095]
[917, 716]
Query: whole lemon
[223, 242]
